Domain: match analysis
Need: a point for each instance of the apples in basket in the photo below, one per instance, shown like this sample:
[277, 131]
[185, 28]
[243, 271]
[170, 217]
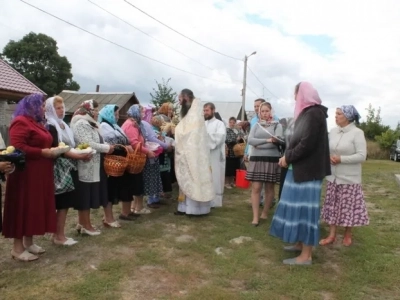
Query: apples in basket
[83, 148]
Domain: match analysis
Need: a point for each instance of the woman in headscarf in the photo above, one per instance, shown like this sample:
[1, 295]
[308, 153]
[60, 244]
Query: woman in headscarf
[296, 219]
[60, 131]
[232, 162]
[135, 131]
[166, 112]
[119, 188]
[344, 201]
[29, 206]
[92, 185]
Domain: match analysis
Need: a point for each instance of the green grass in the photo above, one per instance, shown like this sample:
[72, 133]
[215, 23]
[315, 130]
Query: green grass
[144, 259]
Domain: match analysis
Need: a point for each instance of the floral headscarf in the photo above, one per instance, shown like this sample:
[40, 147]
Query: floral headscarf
[135, 112]
[86, 108]
[31, 106]
[351, 113]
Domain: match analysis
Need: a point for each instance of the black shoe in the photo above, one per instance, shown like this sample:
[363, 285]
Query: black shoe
[179, 213]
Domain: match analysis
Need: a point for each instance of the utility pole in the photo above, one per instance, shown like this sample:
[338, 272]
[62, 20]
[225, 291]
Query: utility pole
[244, 85]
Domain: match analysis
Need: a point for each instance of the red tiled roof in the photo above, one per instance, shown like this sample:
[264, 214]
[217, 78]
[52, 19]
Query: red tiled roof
[11, 80]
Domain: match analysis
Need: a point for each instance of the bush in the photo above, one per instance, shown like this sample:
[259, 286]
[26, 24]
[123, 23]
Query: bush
[374, 151]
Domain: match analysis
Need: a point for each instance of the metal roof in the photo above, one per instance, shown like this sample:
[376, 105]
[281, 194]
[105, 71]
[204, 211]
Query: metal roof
[12, 80]
[73, 99]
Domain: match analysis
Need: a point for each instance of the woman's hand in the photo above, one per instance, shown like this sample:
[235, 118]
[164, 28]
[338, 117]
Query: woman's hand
[79, 156]
[151, 154]
[335, 159]
[48, 153]
[112, 147]
[282, 162]
[6, 167]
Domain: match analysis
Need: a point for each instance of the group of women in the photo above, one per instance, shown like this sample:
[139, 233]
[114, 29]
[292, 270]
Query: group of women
[311, 155]
[38, 197]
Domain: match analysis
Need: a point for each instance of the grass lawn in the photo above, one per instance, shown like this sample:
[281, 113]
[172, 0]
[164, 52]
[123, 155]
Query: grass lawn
[162, 256]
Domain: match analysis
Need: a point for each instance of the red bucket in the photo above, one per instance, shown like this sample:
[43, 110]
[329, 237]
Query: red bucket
[241, 181]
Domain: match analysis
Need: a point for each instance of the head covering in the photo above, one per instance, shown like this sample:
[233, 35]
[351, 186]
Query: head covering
[306, 96]
[65, 135]
[85, 111]
[31, 106]
[107, 113]
[148, 113]
[351, 113]
[135, 113]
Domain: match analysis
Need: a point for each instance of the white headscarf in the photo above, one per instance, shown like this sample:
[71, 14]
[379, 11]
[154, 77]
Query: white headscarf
[53, 119]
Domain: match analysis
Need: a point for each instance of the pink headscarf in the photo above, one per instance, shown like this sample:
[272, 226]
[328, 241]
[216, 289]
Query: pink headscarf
[306, 96]
[148, 113]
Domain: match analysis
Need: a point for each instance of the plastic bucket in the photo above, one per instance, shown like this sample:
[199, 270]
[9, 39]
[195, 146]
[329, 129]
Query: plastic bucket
[241, 181]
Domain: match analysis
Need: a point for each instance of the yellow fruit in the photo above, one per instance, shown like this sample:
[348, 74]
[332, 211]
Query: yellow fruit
[10, 149]
[61, 144]
[4, 152]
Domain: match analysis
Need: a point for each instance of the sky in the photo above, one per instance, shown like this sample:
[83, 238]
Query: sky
[349, 50]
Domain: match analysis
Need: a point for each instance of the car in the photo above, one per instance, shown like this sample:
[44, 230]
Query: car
[395, 151]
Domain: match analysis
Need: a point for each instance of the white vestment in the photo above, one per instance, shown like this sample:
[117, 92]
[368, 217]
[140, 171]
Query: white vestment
[216, 141]
[192, 162]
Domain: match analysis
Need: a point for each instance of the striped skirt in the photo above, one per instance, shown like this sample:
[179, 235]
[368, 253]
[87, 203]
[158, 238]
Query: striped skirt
[296, 218]
[263, 171]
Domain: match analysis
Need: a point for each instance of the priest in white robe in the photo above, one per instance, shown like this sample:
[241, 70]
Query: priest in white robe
[216, 130]
[192, 159]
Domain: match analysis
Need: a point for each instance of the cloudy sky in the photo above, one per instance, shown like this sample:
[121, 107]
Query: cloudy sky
[349, 50]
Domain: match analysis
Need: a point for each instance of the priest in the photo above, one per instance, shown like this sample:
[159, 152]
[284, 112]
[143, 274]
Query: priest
[216, 142]
[192, 159]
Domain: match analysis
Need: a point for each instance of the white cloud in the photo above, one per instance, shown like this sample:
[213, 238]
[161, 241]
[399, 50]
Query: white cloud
[364, 67]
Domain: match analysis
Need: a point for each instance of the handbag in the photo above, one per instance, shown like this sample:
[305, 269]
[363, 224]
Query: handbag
[63, 182]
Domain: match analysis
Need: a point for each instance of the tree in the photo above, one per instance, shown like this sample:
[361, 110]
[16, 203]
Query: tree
[387, 138]
[164, 93]
[36, 57]
[373, 126]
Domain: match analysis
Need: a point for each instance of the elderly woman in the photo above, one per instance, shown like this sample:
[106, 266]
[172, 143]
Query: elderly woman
[296, 219]
[60, 131]
[135, 130]
[344, 201]
[92, 185]
[119, 188]
[166, 111]
[232, 162]
[29, 207]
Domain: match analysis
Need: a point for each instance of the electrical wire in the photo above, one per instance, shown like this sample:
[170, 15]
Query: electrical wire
[262, 83]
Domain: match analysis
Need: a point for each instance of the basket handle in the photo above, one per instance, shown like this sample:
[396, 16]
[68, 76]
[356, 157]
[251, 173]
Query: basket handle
[138, 146]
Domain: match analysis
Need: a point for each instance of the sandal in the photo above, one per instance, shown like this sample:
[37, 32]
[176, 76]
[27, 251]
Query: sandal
[114, 224]
[347, 240]
[68, 242]
[327, 241]
[35, 249]
[24, 256]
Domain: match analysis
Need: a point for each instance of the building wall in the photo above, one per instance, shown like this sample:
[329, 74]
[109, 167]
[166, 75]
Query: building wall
[3, 112]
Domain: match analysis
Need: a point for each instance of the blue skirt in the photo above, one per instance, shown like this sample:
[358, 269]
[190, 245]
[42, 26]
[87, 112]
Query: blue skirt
[296, 218]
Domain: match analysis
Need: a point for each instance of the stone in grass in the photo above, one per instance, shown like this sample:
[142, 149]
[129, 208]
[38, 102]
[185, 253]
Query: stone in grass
[218, 251]
[240, 240]
[185, 238]
[397, 178]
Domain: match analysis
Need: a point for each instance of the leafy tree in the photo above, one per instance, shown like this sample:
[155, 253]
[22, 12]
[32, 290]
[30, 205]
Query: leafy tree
[387, 138]
[373, 126]
[163, 93]
[36, 57]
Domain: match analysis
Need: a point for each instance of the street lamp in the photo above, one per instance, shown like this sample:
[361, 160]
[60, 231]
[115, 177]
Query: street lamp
[244, 85]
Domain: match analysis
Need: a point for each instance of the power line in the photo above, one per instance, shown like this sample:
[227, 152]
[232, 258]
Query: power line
[123, 47]
[145, 33]
[181, 34]
[262, 83]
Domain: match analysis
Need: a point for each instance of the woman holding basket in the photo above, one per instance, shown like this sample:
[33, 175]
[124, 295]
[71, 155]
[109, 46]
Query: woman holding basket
[119, 188]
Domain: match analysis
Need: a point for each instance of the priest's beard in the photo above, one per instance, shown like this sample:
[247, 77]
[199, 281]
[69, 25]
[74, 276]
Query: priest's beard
[185, 108]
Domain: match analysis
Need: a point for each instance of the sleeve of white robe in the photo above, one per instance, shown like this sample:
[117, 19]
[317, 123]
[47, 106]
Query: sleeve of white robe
[216, 134]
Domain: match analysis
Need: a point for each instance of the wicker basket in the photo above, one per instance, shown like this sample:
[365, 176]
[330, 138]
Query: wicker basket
[238, 149]
[115, 165]
[136, 160]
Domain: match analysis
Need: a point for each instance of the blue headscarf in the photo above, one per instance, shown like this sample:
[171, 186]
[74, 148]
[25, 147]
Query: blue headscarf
[135, 112]
[107, 114]
[351, 113]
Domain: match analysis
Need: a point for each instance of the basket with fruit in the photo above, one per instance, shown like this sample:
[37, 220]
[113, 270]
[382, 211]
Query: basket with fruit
[15, 156]
[83, 148]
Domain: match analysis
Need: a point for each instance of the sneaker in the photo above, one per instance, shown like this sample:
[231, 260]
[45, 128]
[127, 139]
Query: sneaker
[228, 186]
